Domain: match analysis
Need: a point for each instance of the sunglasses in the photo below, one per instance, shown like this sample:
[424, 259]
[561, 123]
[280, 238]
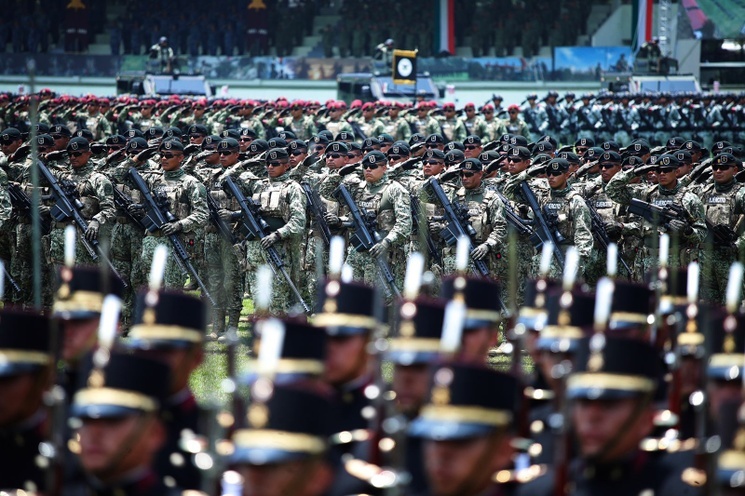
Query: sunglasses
[195, 136]
[319, 148]
[555, 172]
[246, 140]
[665, 170]
[721, 167]
[335, 155]
[515, 159]
[371, 166]
[434, 162]
[227, 152]
[168, 156]
[57, 136]
[76, 154]
[607, 166]
[115, 147]
[297, 152]
[394, 157]
[274, 164]
[467, 174]
[432, 146]
[471, 147]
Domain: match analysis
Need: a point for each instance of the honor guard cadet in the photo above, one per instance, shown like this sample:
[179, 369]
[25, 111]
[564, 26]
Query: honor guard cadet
[388, 203]
[169, 326]
[186, 198]
[283, 448]
[96, 195]
[466, 426]
[347, 310]
[412, 351]
[282, 205]
[120, 429]
[483, 314]
[688, 230]
[301, 358]
[25, 373]
[724, 203]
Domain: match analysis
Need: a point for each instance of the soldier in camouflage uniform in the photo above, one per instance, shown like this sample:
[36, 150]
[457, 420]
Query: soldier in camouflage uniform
[282, 206]
[396, 126]
[127, 233]
[495, 126]
[223, 269]
[139, 116]
[615, 221]
[95, 121]
[187, 202]
[724, 202]
[687, 234]
[370, 125]
[390, 203]
[474, 124]
[335, 124]
[514, 124]
[485, 215]
[452, 128]
[424, 123]
[563, 208]
[300, 124]
[97, 197]
[10, 141]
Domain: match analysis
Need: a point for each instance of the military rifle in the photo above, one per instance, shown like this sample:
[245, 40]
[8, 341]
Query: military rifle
[256, 228]
[659, 216]
[541, 226]
[67, 208]
[416, 215]
[122, 201]
[21, 202]
[221, 225]
[601, 235]
[318, 210]
[365, 236]
[157, 215]
[457, 223]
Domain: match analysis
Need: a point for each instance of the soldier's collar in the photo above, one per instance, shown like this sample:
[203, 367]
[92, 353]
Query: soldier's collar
[281, 179]
[175, 174]
[723, 188]
[87, 168]
[561, 192]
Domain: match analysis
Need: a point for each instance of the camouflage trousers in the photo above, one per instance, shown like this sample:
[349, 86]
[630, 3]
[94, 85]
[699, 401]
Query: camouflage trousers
[289, 250]
[126, 252]
[7, 251]
[310, 273]
[223, 279]
[365, 268]
[715, 265]
[174, 276]
[22, 268]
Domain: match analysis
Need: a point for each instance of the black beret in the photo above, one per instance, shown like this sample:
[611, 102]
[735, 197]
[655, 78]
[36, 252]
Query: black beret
[434, 153]
[229, 144]
[375, 157]
[198, 129]
[10, 135]
[78, 144]
[297, 144]
[172, 144]
[610, 156]
[558, 164]
[519, 151]
[337, 146]
[471, 164]
[277, 154]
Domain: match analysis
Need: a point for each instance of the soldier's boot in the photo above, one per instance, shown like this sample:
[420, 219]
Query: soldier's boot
[230, 337]
[218, 323]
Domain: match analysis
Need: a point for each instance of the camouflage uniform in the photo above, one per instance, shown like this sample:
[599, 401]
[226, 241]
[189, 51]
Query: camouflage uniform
[187, 198]
[390, 203]
[572, 219]
[372, 128]
[96, 124]
[426, 126]
[6, 211]
[398, 128]
[619, 190]
[126, 236]
[610, 212]
[494, 129]
[303, 128]
[475, 126]
[223, 267]
[724, 205]
[518, 127]
[453, 129]
[283, 208]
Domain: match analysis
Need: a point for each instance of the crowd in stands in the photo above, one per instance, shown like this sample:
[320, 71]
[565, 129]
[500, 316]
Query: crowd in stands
[490, 27]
